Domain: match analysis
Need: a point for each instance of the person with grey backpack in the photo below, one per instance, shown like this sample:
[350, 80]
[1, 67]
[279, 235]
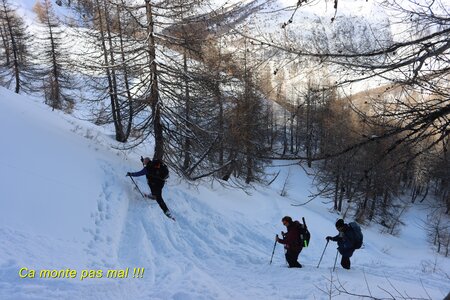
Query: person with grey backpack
[349, 239]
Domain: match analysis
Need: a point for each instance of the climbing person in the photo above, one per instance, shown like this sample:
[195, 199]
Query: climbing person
[157, 173]
[347, 242]
[291, 241]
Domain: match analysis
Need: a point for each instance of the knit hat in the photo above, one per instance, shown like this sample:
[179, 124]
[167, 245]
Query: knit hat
[339, 223]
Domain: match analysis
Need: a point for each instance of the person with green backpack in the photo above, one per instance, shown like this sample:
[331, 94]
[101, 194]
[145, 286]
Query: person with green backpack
[349, 238]
[293, 240]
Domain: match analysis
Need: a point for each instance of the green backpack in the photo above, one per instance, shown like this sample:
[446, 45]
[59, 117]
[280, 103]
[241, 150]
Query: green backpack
[305, 235]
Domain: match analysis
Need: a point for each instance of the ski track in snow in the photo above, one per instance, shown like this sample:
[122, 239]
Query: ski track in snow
[186, 245]
[99, 247]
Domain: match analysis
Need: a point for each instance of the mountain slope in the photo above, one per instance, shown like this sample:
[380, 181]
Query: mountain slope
[66, 203]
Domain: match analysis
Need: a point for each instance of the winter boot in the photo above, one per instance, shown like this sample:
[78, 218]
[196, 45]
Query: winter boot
[169, 215]
[150, 196]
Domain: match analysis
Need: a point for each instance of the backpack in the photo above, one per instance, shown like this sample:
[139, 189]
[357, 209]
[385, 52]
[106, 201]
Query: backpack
[157, 170]
[357, 243]
[164, 171]
[305, 235]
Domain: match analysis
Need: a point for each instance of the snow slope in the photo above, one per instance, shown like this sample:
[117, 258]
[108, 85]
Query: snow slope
[66, 203]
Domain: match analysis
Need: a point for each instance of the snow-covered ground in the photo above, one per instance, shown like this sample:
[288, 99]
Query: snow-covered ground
[66, 204]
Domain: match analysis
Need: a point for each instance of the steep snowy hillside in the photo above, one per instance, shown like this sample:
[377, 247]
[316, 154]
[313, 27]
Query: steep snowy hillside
[66, 204]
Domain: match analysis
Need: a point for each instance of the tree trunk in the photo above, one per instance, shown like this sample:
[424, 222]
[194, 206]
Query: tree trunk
[336, 191]
[3, 34]
[187, 116]
[111, 92]
[341, 196]
[308, 129]
[292, 133]
[125, 75]
[54, 84]
[372, 207]
[249, 163]
[117, 113]
[154, 89]
[220, 121]
[14, 49]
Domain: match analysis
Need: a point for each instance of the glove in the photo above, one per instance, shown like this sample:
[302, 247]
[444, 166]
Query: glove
[276, 238]
[128, 174]
[328, 238]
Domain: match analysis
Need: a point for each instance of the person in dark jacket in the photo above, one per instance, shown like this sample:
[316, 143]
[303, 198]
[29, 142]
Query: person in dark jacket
[291, 242]
[345, 239]
[156, 173]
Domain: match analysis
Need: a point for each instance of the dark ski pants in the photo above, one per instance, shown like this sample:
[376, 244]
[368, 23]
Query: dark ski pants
[292, 256]
[157, 192]
[346, 254]
[345, 262]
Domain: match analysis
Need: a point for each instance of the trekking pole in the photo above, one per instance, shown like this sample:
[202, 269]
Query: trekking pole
[137, 187]
[285, 250]
[323, 252]
[273, 251]
[334, 267]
